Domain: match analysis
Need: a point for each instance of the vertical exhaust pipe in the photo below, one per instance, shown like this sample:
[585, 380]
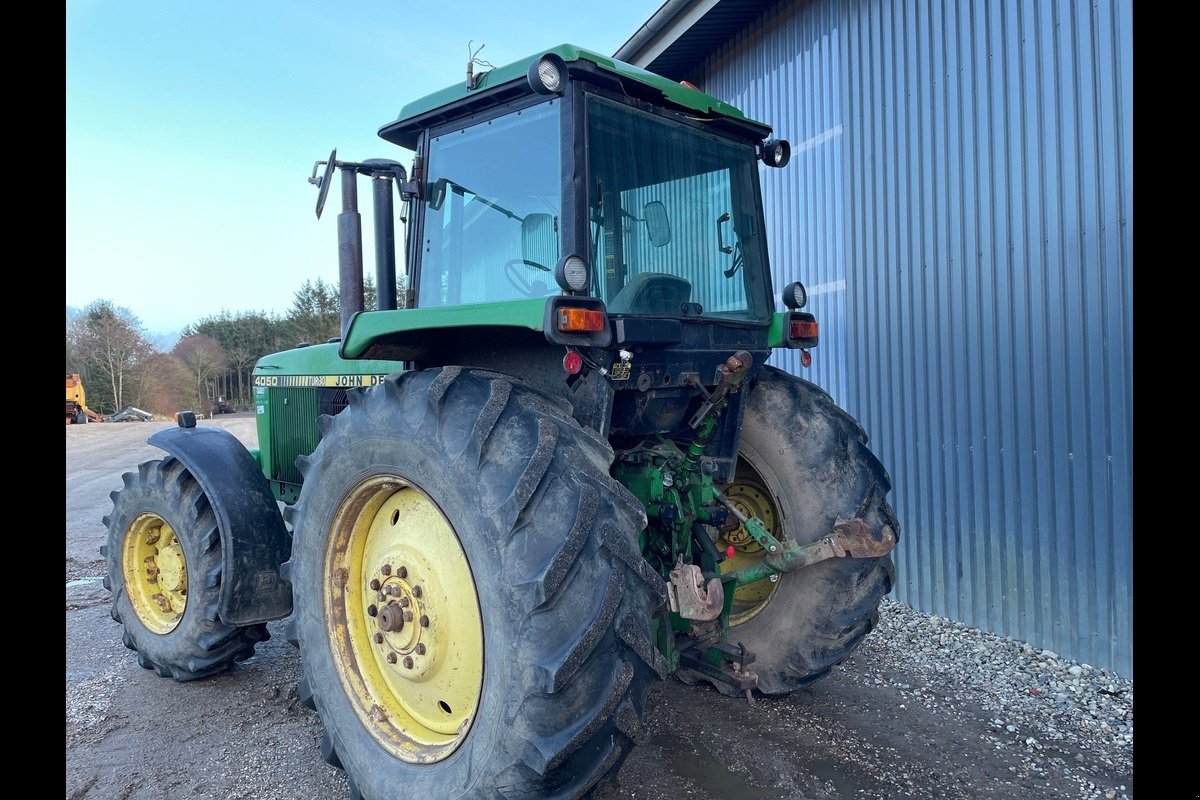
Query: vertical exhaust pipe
[350, 257]
[385, 244]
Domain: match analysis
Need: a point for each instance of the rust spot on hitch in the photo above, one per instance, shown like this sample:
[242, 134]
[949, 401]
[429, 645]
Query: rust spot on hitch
[852, 538]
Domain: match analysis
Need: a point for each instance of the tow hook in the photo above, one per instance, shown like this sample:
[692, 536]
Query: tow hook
[688, 596]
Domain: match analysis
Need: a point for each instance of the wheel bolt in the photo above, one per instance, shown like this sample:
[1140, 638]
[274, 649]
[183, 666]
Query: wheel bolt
[375, 584]
[380, 596]
[394, 590]
[379, 638]
[424, 621]
[408, 662]
[407, 616]
[417, 591]
[404, 601]
[391, 657]
[401, 571]
[372, 611]
[386, 569]
[420, 649]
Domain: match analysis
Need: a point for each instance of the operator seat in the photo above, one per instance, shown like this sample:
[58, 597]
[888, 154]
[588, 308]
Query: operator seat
[652, 293]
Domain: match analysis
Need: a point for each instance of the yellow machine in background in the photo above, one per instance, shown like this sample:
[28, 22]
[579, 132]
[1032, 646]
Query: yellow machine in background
[77, 411]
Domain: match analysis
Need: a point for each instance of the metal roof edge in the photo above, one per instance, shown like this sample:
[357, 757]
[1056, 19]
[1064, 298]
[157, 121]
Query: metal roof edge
[663, 29]
[682, 33]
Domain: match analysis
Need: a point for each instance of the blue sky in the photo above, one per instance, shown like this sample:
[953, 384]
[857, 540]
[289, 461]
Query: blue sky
[192, 129]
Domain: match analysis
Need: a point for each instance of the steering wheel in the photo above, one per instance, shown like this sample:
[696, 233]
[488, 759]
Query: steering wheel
[521, 280]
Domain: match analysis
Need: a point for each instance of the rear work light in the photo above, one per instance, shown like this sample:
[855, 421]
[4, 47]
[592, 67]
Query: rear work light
[580, 320]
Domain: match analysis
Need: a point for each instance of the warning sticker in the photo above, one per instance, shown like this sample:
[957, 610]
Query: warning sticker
[621, 370]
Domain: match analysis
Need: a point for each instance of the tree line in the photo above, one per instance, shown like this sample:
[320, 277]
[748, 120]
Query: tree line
[213, 358]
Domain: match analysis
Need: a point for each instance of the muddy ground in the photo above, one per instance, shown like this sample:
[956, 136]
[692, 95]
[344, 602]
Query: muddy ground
[243, 734]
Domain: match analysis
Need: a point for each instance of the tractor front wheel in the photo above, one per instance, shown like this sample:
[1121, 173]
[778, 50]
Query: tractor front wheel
[165, 573]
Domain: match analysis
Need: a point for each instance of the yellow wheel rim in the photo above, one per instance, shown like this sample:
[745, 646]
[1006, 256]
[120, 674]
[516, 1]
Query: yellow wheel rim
[155, 572]
[750, 495]
[403, 620]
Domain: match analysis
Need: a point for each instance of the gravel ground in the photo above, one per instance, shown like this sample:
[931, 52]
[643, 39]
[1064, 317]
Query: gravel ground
[1057, 714]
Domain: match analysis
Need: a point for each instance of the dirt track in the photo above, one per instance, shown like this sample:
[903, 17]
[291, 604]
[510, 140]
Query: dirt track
[243, 734]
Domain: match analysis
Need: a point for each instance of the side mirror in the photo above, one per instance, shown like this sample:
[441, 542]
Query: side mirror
[658, 225]
[322, 182]
[539, 239]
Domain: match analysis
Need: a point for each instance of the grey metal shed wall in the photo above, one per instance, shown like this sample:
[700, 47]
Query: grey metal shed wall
[960, 201]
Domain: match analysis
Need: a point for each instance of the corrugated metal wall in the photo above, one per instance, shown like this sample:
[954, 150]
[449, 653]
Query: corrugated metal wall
[959, 202]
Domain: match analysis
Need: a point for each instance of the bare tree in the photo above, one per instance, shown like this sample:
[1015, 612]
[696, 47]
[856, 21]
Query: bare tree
[245, 338]
[108, 343]
[165, 385]
[204, 358]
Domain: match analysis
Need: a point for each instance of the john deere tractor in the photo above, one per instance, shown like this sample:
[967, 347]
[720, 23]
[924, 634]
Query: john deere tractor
[553, 470]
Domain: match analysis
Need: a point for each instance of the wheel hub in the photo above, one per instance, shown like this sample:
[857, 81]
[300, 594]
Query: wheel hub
[401, 621]
[155, 573]
[405, 625]
[749, 495]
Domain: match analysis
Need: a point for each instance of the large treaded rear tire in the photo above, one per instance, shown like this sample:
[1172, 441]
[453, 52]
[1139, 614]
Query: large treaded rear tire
[200, 644]
[564, 596]
[814, 460]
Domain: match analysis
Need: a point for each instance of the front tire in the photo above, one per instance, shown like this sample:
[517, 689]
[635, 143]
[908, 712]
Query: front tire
[804, 464]
[470, 604]
[165, 574]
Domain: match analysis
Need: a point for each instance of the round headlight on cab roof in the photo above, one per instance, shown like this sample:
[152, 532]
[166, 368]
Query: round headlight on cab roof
[795, 296]
[548, 74]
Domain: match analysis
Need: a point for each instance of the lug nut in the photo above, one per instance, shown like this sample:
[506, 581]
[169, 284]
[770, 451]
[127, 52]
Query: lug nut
[424, 621]
[375, 584]
[379, 638]
[407, 615]
[395, 590]
[391, 657]
[401, 571]
[404, 601]
[372, 611]
[420, 649]
[408, 662]
[386, 569]
[417, 591]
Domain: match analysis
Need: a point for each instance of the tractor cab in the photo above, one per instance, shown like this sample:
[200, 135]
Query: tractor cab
[574, 201]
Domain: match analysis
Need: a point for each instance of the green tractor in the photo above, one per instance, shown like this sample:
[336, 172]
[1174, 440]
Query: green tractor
[552, 471]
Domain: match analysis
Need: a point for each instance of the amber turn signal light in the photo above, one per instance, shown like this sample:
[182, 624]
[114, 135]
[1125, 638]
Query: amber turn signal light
[580, 320]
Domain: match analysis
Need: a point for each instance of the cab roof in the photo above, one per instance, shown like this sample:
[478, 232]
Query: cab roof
[505, 83]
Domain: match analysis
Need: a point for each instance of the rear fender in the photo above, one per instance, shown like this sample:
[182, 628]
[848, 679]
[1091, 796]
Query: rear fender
[254, 541]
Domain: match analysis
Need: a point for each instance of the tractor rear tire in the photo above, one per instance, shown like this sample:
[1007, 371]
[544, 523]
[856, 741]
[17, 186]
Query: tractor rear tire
[471, 607]
[804, 461]
[164, 572]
